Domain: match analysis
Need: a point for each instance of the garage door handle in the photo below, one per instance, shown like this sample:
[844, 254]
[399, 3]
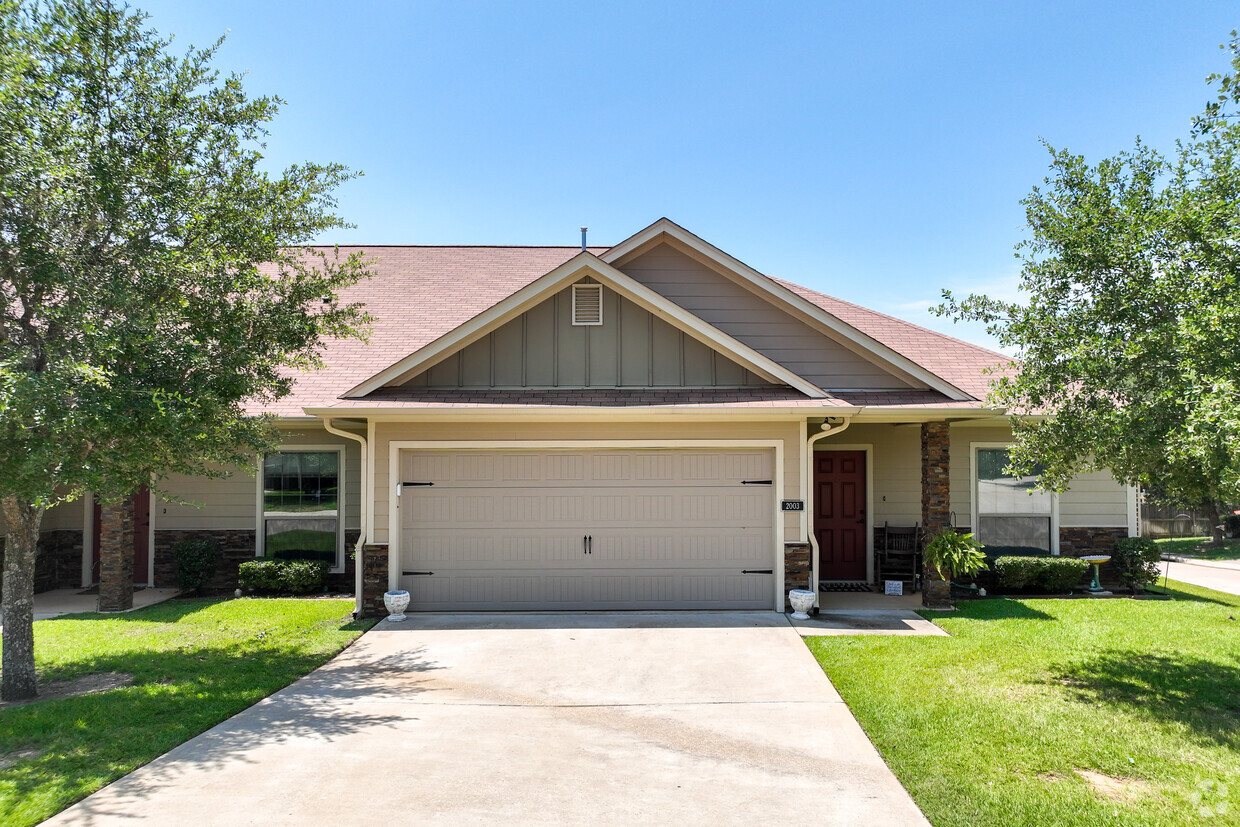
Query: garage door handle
[757, 571]
[587, 544]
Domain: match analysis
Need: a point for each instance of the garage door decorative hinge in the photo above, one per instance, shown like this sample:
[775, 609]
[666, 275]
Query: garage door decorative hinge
[417, 483]
[755, 482]
[414, 573]
[757, 571]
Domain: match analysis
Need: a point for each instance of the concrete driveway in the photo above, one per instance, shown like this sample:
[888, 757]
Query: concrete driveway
[620, 718]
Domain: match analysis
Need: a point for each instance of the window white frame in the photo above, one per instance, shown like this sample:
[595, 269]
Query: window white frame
[260, 534]
[973, 515]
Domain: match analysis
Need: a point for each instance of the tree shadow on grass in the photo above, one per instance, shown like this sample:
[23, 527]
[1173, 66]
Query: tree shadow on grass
[1000, 609]
[1192, 597]
[1203, 695]
[72, 744]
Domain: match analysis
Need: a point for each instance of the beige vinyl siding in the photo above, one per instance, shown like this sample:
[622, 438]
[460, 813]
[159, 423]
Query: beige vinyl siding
[230, 503]
[66, 516]
[787, 432]
[542, 348]
[1093, 500]
[756, 322]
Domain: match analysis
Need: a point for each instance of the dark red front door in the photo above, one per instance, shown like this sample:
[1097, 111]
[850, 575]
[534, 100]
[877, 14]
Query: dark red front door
[141, 534]
[839, 514]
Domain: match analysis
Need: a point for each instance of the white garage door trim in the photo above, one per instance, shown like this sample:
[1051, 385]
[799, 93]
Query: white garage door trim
[396, 446]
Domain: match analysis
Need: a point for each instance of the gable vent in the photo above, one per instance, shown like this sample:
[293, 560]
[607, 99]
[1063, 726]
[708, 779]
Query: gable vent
[587, 304]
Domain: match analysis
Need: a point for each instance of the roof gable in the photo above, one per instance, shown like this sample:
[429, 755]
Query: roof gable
[628, 347]
[584, 265]
[664, 231]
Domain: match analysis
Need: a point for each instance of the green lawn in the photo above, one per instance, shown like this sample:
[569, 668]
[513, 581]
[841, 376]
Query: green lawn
[1198, 547]
[194, 663]
[996, 724]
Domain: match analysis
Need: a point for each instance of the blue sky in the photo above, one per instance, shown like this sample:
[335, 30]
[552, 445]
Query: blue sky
[877, 151]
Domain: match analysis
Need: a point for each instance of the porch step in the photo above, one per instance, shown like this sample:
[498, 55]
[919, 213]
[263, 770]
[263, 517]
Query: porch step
[843, 586]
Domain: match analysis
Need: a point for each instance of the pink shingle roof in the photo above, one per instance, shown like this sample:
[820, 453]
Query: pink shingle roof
[417, 294]
[955, 361]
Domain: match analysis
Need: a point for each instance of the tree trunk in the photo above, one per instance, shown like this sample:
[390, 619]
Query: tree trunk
[21, 549]
[1216, 523]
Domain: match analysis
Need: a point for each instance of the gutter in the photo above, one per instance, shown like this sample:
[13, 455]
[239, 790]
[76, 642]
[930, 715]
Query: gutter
[364, 533]
[808, 483]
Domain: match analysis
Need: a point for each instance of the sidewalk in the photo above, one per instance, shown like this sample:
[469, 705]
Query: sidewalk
[1220, 575]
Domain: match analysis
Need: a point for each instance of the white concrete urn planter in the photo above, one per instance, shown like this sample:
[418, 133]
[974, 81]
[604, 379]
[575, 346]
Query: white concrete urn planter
[396, 603]
[802, 601]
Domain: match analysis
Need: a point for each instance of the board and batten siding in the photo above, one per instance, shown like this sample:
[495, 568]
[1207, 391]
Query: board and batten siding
[1094, 500]
[756, 322]
[636, 432]
[230, 503]
[542, 348]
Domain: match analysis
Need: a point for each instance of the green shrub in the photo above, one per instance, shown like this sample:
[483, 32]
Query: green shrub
[1136, 561]
[1016, 572]
[283, 576]
[197, 558]
[952, 554]
[1053, 575]
[1060, 574]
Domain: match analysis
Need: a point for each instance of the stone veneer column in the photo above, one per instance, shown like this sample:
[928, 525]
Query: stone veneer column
[374, 579]
[116, 556]
[935, 481]
[935, 502]
[797, 569]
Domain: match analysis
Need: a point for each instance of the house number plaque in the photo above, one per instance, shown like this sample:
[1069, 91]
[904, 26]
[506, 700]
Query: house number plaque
[792, 505]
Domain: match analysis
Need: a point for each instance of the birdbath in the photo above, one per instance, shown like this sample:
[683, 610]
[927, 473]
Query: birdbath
[1097, 560]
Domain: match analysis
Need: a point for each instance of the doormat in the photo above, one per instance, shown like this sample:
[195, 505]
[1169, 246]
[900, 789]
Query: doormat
[843, 586]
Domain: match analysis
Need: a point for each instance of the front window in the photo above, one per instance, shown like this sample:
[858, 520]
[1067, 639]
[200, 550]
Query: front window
[301, 506]
[1012, 514]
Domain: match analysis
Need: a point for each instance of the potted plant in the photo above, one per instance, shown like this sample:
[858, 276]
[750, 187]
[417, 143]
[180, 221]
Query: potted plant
[949, 554]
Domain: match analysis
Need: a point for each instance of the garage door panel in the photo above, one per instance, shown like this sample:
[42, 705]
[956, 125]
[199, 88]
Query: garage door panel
[668, 529]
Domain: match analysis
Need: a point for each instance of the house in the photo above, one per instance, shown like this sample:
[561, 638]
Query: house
[652, 425]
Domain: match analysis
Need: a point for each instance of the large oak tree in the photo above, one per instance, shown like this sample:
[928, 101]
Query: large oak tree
[1129, 334]
[150, 282]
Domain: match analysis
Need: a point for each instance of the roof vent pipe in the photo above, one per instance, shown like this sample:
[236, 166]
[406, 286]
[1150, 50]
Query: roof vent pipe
[583, 237]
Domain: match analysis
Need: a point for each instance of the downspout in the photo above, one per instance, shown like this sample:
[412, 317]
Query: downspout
[364, 533]
[808, 488]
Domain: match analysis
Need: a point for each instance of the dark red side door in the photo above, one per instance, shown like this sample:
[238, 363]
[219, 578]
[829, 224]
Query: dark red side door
[839, 514]
[141, 535]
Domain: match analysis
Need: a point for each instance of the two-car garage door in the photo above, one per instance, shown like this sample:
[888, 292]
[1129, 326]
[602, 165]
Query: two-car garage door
[602, 529]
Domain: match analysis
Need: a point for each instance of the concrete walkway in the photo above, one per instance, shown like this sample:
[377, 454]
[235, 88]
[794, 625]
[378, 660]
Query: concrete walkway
[569, 718]
[1220, 575]
[71, 601]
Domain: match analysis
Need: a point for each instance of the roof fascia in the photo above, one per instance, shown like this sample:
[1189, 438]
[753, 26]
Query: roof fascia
[759, 283]
[584, 263]
[544, 413]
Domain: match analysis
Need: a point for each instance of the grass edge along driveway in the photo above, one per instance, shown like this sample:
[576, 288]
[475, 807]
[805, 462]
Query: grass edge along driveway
[193, 664]
[1058, 712]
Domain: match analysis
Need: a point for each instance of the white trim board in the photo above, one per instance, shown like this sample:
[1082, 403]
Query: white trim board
[578, 267]
[396, 446]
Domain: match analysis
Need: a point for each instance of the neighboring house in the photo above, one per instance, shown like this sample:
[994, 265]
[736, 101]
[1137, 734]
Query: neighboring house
[628, 427]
